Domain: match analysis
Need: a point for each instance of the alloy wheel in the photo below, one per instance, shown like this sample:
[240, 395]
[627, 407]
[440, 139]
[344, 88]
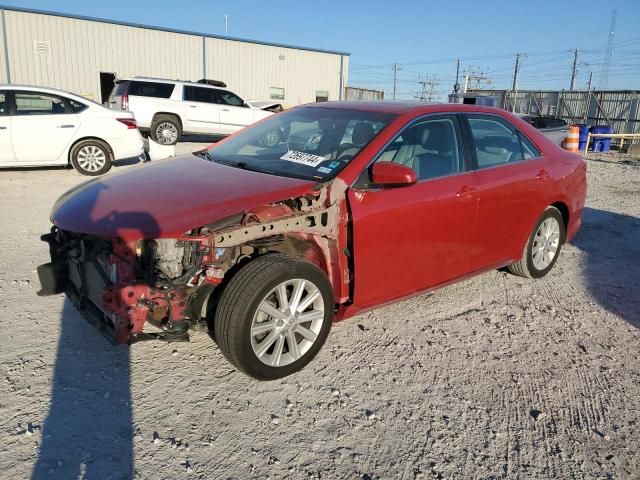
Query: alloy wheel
[287, 322]
[546, 243]
[91, 158]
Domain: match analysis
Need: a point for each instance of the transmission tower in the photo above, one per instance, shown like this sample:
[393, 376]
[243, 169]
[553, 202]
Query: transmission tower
[604, 74]
[427, 84]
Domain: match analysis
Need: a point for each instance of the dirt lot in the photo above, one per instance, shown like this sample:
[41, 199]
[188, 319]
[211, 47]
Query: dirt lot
[495, 377]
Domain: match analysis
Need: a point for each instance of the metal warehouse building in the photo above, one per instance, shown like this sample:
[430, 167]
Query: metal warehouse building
[82, 55]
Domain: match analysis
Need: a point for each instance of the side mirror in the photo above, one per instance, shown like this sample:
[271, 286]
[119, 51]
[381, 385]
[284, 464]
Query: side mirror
[388, 174]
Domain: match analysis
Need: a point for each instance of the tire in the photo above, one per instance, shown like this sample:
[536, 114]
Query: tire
[91, 157]
[267, 354]
[165, 129]
[534, 264]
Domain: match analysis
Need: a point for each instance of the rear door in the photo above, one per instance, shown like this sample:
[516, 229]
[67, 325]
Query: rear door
[202, 111]
[513, 181]
[234, 112]
[42, 127]
[6, 150]
[411, 238]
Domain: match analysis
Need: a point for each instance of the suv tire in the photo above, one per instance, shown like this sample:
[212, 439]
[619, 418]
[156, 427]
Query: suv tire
[165, 129]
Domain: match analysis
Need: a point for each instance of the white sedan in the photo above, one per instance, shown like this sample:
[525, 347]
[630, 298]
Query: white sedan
[43, 126]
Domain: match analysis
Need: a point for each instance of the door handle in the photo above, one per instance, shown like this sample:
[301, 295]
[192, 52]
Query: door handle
[3, 128]
[193, 106]
[466, 191]
[66, 126]
[225, 109]
[542, 174]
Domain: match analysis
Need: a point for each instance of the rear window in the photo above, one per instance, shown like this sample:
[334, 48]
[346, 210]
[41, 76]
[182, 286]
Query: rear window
[150, 89]
[120, 89]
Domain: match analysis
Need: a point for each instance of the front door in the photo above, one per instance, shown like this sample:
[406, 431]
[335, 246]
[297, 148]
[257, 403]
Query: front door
[234, 113]
[412, 238]
[42, 127]
[201, 110]
[6, 150]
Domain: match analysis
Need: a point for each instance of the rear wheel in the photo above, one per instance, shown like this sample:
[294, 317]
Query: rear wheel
[91, 157]
[165, 129]
[274, 316]
[543, 246]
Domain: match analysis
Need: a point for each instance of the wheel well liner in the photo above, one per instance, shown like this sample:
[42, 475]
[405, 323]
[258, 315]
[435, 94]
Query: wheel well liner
[564, 210]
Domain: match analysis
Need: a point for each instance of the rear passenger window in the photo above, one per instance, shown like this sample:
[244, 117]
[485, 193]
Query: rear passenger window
[76, 107]
[3, 104]
[151, 89]
[199, 94]
[528, 149]
[496, 141]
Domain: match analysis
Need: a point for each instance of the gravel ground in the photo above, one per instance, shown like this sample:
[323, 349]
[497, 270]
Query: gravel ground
[494, 377]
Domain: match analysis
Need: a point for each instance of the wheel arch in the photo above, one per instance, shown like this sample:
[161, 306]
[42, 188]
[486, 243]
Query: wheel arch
[564, 211]
[171, 114]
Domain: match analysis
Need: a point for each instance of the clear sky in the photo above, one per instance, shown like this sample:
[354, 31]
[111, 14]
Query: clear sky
[423, 37]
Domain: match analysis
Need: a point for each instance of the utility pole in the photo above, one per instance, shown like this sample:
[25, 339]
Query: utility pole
[395, 68]
[456, 86]
[589, 84]
[573, 70]
[586, 108]
[226, 25]
[516, 70]
[514, 85]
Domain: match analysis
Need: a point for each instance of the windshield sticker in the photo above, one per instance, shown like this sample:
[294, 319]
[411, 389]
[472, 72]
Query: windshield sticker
[324, 170]
[334, 164]
[304, 158]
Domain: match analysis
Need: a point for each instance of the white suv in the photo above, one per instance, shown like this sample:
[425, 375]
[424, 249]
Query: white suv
[169, 108]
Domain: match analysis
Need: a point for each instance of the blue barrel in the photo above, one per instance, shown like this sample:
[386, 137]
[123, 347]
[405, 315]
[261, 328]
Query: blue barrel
[601, 144]
[582, 135]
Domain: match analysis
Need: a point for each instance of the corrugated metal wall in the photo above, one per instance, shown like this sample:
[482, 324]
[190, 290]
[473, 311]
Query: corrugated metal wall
[355, 93]
[3, 65]
[252, 69]
[617, 108]
[70, 53]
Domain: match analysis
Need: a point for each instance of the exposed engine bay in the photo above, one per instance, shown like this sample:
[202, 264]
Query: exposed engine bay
[159, 288]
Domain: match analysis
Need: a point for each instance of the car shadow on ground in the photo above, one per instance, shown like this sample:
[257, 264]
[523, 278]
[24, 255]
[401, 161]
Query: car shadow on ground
[611, 243]
[88, 432]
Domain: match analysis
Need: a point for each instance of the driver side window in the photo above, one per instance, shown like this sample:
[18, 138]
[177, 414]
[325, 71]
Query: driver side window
[432, 148]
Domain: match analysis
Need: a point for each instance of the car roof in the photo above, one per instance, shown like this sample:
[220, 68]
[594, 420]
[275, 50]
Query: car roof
[167, 80]
[409, 107]
[35, 88]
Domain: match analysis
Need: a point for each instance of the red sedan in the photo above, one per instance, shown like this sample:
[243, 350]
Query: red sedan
[311, 216]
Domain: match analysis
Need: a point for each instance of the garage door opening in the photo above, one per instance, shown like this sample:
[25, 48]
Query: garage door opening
[107, 80]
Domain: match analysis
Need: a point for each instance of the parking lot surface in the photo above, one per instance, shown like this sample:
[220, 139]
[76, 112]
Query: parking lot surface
[494, 377]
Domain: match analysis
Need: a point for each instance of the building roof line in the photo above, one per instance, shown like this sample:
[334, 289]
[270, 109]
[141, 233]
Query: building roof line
[165, 29]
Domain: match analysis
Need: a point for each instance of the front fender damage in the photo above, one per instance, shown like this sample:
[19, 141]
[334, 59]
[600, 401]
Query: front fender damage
[159, 288]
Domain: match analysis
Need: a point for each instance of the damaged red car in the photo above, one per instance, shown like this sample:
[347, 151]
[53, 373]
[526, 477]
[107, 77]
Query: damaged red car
[309, 217]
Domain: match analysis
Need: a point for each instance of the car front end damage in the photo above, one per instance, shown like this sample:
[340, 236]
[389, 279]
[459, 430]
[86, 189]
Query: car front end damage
[139, 289]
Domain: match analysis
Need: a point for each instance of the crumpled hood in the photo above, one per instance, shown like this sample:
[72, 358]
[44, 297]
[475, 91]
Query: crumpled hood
[167, 198]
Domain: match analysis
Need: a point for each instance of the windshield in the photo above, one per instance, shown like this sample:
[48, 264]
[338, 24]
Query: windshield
[310, 143]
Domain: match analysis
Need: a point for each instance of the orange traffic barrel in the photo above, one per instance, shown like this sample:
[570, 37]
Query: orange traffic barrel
[572, 141]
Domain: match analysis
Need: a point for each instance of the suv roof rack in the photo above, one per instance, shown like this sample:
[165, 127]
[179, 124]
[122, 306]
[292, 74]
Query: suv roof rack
[213, 83]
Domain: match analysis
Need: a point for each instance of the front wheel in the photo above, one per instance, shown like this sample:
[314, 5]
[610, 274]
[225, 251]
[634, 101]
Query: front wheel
[543, 247]
[274, 316]
[91, 157]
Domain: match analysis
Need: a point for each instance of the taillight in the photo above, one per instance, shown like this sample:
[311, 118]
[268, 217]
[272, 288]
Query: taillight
[129, 122]
[124, 104]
